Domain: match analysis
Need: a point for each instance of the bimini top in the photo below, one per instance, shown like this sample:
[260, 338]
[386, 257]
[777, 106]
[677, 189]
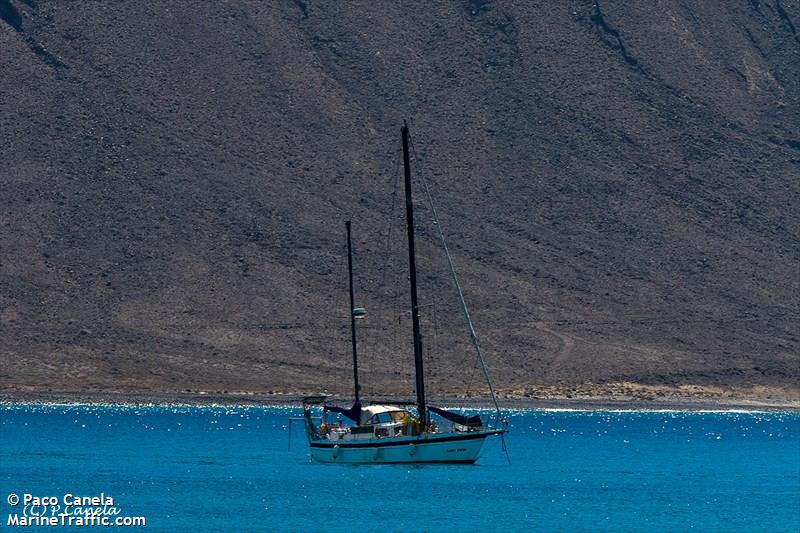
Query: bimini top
[379, 414]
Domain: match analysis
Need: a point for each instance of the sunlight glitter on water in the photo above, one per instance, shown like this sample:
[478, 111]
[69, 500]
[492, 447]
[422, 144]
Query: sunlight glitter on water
[230, 468]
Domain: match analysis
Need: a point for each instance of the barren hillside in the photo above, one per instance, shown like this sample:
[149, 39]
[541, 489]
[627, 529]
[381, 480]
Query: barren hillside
[618, 182]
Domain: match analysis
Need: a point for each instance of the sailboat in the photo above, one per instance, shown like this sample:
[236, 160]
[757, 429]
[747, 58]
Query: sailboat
[399, 432]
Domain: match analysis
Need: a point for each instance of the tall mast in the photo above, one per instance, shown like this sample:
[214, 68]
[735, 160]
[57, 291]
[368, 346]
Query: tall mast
[352, 311]
[412, 268]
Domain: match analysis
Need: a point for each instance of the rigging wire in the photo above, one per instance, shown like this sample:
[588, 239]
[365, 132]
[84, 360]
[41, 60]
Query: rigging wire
[388, 262]
[434, 341]
[372, 339]
[390, 266]
[461, 403]
[454, 276]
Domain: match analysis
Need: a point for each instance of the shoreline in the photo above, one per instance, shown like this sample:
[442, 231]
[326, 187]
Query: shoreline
[687, 403]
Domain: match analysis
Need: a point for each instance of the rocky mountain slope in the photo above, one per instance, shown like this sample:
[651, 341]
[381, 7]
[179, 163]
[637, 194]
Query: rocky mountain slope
[618, 182]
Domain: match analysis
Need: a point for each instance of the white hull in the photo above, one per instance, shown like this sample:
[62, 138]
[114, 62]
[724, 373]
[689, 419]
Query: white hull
[434, 448]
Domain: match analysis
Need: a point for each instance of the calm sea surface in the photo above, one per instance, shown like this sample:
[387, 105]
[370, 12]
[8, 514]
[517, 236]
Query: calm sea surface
[229, 469]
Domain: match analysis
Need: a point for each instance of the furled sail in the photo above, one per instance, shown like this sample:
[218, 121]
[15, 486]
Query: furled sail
[353, 413]
[464, 420]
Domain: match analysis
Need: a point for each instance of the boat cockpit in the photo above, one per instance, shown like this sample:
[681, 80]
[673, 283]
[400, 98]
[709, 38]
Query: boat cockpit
[376, 421]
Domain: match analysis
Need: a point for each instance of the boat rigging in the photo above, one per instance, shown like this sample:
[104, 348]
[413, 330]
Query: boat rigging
[392, 433]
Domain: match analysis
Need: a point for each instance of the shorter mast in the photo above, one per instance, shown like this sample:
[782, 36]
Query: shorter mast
[352, 312]
[412, 270]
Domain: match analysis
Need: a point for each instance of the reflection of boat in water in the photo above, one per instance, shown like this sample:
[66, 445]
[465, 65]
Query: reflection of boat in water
[398, 432]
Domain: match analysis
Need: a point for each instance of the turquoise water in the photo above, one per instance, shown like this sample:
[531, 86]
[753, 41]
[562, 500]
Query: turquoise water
[229, 469]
